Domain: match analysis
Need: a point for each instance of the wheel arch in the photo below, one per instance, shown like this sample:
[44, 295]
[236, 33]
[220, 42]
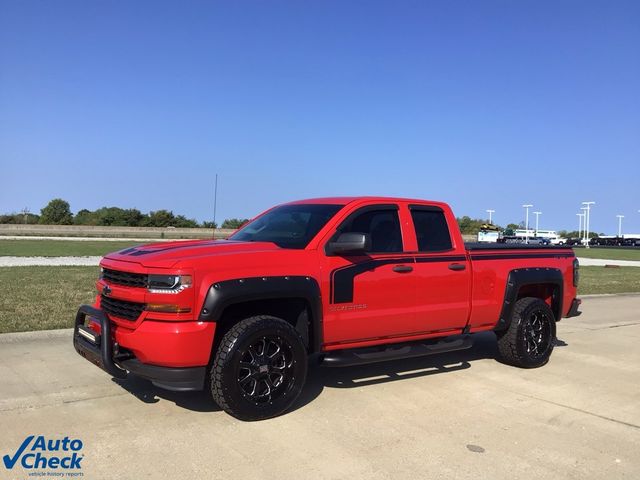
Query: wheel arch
[544, 283]
[295, 299]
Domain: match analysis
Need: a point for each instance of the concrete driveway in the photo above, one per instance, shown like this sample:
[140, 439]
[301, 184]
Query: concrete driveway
[599, 262]
[460, 415]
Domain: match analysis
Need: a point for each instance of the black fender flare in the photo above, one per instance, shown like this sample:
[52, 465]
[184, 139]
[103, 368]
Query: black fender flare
[224, 294]
[521, 277]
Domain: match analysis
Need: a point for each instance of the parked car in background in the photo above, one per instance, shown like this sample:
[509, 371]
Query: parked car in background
[573, 241]
[539, 241]
[551, 235]
[626, 240]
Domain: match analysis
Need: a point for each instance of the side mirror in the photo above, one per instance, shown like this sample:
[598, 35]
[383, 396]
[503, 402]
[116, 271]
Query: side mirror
[350, 243]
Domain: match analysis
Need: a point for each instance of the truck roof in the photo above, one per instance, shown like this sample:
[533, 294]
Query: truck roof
[348, 200]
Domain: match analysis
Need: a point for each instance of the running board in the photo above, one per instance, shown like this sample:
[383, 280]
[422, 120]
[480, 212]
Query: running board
[382, 353]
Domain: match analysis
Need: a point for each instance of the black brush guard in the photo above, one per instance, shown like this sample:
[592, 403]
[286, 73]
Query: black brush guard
[98, 349]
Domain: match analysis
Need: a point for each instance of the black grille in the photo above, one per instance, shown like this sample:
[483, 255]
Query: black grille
[121, 308]
[125, 278]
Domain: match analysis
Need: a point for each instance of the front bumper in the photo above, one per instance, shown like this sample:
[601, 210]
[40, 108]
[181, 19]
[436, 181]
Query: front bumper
[99, 350]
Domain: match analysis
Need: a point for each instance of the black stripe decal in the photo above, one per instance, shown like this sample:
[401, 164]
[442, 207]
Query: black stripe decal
[342, 279]
[513, 256]
[136, 252]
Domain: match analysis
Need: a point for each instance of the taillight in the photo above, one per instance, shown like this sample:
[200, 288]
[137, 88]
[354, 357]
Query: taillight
[576, 272]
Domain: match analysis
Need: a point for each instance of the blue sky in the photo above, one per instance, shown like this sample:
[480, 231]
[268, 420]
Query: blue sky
[484, 104]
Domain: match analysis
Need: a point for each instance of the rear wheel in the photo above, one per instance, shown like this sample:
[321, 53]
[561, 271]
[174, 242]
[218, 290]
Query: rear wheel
[259, 368]
[531, 336]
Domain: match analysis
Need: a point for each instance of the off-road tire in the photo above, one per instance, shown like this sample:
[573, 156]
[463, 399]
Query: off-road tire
[531, 336]
[245, 368]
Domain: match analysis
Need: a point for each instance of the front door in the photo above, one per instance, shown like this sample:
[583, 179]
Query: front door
[372, 295]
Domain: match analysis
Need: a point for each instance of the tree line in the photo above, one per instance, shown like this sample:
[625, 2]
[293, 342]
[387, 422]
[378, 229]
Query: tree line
[58, 212]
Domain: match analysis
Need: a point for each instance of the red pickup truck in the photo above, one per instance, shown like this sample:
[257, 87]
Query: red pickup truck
[352, 280]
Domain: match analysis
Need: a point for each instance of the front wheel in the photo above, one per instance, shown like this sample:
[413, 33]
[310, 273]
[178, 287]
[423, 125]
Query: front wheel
[531, 336]
[259, 368]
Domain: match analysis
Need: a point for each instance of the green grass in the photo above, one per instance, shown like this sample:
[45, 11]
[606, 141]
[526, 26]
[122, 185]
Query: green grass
[61, 248]
[609, 280]
[608, 253]
[43, 298]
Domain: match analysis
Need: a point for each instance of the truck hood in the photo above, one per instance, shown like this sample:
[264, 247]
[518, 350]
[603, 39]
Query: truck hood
[168, 254]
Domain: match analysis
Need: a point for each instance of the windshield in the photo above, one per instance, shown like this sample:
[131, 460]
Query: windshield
[288, 226]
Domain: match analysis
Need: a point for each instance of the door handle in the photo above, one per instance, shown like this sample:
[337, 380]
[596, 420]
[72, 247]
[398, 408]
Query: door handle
[403, 269]
[457, 266]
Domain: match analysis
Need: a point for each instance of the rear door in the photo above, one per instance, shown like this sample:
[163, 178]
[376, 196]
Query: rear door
[442, 271]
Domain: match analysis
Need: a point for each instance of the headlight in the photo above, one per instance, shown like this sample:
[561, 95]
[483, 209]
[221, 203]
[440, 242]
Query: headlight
[168, 283]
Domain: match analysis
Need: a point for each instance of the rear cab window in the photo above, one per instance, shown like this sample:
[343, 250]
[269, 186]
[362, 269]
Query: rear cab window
[432, 230]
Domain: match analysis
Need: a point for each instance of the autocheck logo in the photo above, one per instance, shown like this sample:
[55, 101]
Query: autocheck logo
[38, 452]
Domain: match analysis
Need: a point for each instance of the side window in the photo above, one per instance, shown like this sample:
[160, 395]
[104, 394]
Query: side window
[383, 226]
[431, 229]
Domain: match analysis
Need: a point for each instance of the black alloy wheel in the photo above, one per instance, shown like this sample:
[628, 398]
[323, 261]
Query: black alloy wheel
[259, 368]
[531, 335]
[537, 333]
[265, 370]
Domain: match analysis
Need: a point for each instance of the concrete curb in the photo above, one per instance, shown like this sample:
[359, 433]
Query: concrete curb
[597, 295]
[18, 337]
[88, 261]
[602, 262]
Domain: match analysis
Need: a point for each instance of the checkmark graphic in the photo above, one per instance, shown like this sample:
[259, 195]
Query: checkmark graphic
[10, 462]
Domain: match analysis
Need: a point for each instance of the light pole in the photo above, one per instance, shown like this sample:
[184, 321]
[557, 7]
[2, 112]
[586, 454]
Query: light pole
[215, 205]
[584, 225]
[588, 204]
[620, 217]
[580, 215]
[25, 213]
[537, 214]
[526, 224]
[490, 212]
[215, 198]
